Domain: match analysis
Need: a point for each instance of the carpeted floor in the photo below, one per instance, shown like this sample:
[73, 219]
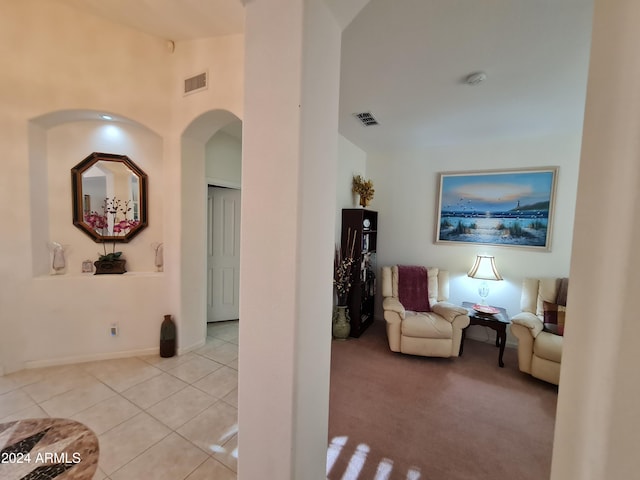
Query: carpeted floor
[395, 416]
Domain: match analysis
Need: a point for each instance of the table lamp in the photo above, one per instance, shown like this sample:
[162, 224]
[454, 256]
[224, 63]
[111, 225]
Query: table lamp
[484, 268]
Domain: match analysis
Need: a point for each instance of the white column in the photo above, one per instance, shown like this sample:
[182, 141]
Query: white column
[288, 206]
[598, 418]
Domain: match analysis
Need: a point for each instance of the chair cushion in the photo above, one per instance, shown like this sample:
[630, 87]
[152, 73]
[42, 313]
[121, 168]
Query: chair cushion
[426, 325]
[554, 316]
[413, 288]
[548, 346]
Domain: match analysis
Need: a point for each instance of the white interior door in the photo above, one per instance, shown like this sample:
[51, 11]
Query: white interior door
[223, 254]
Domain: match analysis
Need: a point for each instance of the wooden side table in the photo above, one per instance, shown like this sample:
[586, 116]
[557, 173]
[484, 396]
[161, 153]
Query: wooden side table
[497, 322]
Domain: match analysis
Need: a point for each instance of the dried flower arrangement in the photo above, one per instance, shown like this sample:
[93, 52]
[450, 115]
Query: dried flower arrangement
[364, 188]
[342, 265]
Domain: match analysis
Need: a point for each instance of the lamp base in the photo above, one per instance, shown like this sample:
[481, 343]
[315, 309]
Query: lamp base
[483, 291]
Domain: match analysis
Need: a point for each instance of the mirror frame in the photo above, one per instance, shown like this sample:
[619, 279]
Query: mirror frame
[77, 195]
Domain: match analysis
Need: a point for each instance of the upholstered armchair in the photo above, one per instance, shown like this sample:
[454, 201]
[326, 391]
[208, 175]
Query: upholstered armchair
[427, 324]
[539, 336]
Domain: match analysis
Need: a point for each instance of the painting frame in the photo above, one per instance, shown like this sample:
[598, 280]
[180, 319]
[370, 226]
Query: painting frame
[497, 208]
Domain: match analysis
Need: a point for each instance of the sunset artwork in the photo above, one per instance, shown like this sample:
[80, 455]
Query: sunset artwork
[509, 208]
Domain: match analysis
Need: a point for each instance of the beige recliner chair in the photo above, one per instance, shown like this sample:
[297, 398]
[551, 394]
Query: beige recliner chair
[539, 351]
[431, 334]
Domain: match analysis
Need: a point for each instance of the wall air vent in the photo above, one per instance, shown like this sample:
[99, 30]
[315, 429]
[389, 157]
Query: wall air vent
[366, 119]
[196, 83]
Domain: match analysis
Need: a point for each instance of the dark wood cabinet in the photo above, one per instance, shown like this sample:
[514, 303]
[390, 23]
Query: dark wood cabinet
[363, 224]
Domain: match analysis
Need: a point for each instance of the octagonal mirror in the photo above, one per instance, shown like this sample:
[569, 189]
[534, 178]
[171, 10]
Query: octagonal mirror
[109, 197]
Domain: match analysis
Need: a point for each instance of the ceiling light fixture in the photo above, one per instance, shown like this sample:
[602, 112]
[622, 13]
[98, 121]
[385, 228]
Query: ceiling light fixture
[106, 117]
[475, 78]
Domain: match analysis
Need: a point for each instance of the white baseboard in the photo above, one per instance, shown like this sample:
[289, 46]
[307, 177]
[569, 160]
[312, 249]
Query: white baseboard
[54, 362]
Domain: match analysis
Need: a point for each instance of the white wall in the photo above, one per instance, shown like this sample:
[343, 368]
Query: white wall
[93, 66]
[288, 218]
[598, 421]
[195, 118]
[352, 160]
[66, 67]
[407, 183]
[223, 156]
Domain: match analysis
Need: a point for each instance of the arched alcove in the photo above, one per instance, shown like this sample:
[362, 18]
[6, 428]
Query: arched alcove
[193, 251]
[72, 315]
[58, 141]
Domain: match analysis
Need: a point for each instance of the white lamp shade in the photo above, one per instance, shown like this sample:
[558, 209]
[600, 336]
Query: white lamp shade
[484, 268]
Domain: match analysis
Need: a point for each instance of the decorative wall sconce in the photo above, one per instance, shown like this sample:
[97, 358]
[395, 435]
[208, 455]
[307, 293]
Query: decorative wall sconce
[159, 256]
[58, 265]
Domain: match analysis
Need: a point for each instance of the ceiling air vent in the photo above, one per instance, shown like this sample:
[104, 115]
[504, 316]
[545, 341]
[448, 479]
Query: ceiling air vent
[196, 83]
[366, 119]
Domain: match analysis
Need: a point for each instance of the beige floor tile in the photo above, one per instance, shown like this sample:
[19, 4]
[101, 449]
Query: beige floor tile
[57, 383]
[33, 411]
[195, 369]
[8, 385]
[211, 429]
[210, 343]
[107, 414]
[233, 364]
[154, 390]
[77, 399]
[219, 328]
[224, 353]
[99, 475]
[168, 363]
[212, 470]
[173, 458]
[228, 453]
[33, 375]
[26, 377]
[224, 332]
[125, 442]
[181, 407]
[232, 397]
[219, 383]
[14, 401]
[228, 335]
[122, 374]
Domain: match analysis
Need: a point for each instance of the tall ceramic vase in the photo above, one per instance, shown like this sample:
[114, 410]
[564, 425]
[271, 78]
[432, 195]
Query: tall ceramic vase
[167, 337]
[341, 323]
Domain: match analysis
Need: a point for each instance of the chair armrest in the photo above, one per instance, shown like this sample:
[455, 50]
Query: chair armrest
[394, 314]
[449, 311]
[530, 321]
[394, 305]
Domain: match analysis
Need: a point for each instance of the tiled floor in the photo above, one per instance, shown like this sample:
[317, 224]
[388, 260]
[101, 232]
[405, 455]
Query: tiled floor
[155, 418]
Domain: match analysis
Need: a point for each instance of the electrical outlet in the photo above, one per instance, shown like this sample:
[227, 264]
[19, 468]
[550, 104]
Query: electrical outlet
[113, 330]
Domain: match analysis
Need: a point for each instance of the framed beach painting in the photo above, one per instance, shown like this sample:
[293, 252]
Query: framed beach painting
[511, 208]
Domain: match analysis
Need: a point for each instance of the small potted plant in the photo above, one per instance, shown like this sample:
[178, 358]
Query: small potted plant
[364, 188]
[112, 222]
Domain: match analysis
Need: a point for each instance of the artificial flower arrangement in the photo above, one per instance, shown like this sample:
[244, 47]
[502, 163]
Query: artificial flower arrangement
[364, 188]
[342, 265]
[112, 222]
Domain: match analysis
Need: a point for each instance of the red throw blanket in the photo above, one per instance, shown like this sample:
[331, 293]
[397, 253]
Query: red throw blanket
[413, 288]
